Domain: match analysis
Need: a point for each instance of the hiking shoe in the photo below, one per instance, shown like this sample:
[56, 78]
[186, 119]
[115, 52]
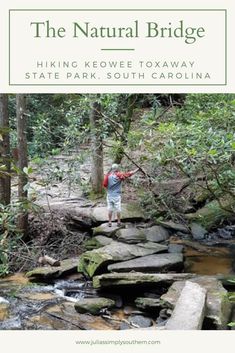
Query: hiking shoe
[110, 224]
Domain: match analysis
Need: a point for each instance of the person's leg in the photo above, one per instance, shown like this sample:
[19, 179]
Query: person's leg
[110, 210]
[118, 208]
[110, 213]
[118, 218]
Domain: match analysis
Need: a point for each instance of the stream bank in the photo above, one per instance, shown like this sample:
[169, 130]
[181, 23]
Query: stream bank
[128, 277]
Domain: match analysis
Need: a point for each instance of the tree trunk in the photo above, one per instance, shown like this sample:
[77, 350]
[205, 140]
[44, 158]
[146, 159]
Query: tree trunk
[126, 127]
[22, 222]
[5, 179]
[97, 172]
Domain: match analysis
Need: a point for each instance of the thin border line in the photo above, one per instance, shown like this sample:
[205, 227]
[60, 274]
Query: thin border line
[113, 10]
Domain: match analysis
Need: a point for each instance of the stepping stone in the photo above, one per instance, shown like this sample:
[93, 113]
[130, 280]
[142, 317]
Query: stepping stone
[131, 235]
[134, 279]
[189, 310]
[157, 234]
[152, 263]
[93, 305]
[130, 211]
[104, 229]
[91, 261]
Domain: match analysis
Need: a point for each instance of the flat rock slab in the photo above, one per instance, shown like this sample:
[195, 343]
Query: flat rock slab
[189, 309]
[218, 307]
[148, 303]
[42, 273]
[93, 305]
[131, 235]
[174, 226]
[88, 217]
[129, 279]
[105, 229]
[152, 263]
[91, 261]
[157, 234]
[131, 211]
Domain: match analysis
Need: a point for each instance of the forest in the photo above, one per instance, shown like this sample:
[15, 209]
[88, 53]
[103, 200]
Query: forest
[61, 264]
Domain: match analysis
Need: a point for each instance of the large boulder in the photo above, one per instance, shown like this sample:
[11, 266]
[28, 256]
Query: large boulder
[157, 234]
[152, 263]
[136, 279]
[93, 305]
[43, 273]
[91, 261]
[172, 187]
[88, 217]
[218, 308]
[189, 310]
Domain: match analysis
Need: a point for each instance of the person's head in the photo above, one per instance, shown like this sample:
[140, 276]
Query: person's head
[115, 167]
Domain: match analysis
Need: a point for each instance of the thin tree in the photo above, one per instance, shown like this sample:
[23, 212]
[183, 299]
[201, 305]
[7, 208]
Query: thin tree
[97, 170]
[5, 179]
[21, 116]
[126, 123]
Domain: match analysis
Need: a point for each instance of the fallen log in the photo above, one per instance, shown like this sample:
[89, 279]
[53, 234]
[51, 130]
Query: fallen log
[47, 260]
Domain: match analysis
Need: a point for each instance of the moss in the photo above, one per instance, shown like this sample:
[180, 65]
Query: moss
[213, 214]
[231, 297]
[93, 305]
[91, 261]
[91, 244]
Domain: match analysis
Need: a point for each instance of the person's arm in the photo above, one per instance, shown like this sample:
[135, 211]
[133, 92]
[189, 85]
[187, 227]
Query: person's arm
[106, 180]
[125, 175]
[134, 171]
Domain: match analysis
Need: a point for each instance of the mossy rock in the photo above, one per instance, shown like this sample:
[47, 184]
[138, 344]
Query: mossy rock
[214, 213]
[91, 244]
[47, 272]
[93, 305]
[231, 297]
[91, 261]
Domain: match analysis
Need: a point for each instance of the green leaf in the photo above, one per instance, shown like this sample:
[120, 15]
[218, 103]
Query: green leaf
[212, 152]
[231, 324]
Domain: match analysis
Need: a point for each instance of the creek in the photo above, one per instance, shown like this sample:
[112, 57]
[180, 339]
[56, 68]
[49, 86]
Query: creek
[25, 305]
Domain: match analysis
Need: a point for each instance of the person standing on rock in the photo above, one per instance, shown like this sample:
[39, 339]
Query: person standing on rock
[113, 183]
